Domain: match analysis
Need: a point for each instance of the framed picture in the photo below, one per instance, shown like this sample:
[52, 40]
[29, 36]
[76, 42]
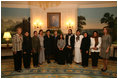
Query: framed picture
[53, 20]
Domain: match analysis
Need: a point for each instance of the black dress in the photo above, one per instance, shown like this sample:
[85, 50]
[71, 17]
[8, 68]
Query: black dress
[61, 57]
[27, 47]
[48, 45]
[85, 45]
[69, 52]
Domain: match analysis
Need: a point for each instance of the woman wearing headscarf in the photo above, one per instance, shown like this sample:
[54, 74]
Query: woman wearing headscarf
[95, 48]
[85, 46]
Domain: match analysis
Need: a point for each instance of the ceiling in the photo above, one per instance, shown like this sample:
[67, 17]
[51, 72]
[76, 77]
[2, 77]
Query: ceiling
[62, 2]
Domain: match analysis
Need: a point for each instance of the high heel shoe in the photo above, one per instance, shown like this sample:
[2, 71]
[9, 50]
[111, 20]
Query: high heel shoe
[103, 70]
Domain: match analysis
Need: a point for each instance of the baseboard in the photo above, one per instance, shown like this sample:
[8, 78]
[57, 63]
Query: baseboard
[11, 57]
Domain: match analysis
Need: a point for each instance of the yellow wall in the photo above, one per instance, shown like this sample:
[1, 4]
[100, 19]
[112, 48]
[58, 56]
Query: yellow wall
[68, 12]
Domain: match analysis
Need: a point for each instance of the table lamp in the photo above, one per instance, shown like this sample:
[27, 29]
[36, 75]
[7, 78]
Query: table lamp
[7, 37]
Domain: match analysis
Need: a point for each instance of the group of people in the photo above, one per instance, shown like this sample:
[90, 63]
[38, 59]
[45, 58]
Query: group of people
[63, 50]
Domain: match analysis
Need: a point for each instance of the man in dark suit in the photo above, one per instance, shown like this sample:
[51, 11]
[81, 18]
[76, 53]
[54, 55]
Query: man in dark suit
[70, 40]
[55, 48]
[54, 21]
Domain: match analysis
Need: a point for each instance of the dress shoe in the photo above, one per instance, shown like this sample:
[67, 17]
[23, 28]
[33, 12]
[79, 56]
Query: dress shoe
[103, 70]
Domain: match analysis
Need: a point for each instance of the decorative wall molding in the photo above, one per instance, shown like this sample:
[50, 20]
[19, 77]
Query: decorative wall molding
[98, 5]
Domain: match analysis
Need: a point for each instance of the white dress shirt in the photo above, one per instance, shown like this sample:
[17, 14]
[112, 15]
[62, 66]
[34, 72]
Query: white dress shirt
[69, 39]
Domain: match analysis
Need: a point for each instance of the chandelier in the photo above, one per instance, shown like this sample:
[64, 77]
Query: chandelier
[45, 4]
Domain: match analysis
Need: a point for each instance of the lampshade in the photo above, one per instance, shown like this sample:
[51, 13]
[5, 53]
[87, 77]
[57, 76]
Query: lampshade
[7, 35]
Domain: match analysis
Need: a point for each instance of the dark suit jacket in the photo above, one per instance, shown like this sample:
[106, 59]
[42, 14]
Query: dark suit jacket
[55, 42]
[72, 41]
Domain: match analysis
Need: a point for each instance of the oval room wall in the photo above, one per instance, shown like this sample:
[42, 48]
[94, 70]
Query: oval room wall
[68, 12]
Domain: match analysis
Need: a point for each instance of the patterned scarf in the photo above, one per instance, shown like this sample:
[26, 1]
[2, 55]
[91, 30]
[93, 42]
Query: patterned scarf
[96, 40]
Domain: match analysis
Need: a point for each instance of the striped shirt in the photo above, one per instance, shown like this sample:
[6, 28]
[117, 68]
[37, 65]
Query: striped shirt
[17, 42]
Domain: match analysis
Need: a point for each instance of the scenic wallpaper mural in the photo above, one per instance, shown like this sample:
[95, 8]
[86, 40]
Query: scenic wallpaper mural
[90, 19]
[11, 18]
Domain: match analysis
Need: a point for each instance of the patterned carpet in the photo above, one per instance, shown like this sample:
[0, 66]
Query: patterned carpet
[54, 70]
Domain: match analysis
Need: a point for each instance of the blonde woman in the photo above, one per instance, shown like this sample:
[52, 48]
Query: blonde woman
[17, 49]
[105, 47]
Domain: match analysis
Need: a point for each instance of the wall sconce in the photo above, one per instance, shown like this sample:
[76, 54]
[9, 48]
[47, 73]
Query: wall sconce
[69, 24]
[7, 37]
[37, 24]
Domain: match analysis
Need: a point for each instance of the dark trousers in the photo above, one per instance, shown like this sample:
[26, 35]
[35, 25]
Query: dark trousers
[85, 57]
[18, 60]
[35, 59]
[48, 54]
[55, 51]
[69, 56]
[26, 60]
[95, 56]
[61, 57]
